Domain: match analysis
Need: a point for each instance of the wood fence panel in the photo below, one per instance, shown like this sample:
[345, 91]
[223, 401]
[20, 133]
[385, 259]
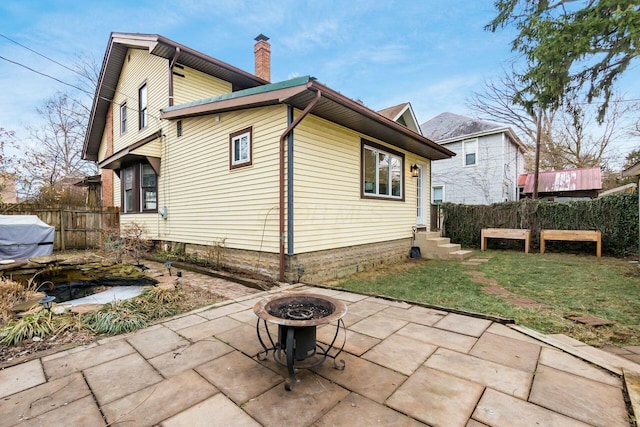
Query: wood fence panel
[75, 228]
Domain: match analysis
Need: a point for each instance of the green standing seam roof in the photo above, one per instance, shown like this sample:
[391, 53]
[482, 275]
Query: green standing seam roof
[298, 81]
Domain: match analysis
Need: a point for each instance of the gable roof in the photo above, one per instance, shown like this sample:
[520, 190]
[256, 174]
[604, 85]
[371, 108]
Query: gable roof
[403, 114]
[446, 128]
[565, 180]
[119, 44]
[332, 106]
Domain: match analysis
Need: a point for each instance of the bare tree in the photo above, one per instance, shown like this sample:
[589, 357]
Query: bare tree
[570, 136]
[55, 152]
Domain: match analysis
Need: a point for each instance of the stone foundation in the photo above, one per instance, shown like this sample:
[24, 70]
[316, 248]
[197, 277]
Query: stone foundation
[312, 267]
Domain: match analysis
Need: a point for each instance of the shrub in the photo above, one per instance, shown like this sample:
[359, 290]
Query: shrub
[615, 216]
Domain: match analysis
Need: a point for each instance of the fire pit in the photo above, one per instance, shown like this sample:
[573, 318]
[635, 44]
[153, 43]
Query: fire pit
[297, 317]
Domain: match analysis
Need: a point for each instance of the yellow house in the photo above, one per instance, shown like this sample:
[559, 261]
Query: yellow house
[289, 179]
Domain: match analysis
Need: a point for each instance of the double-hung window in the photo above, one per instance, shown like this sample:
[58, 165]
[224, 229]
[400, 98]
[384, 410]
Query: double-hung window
[139, 188]
[123, 118]
[382, 172]
[240, 148]
[470, 152]
[128, 198]
[148, 188]
[142, 107]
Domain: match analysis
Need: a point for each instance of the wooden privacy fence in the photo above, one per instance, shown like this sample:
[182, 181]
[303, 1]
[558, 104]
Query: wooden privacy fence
[76, 227]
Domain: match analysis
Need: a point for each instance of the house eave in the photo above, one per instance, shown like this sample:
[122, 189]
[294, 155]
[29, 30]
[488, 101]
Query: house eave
[332, 106]
[117, 47]
[487, 132]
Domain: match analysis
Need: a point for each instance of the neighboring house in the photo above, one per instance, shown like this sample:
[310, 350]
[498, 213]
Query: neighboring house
[489, 159]
[288, 178]
[564, 185]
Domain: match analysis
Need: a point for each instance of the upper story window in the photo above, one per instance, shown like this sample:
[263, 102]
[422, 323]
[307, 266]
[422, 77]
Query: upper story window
[139, 188]
[240, 148]
[123, 118]
[470, 152]
[382, 172]
[142, 107]
[437, 194]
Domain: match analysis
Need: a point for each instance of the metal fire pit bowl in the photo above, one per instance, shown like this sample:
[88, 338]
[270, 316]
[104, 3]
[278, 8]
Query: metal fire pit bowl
[297, 316]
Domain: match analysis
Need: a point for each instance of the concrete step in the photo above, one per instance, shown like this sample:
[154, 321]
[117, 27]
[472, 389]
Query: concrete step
[432, 243]
[428, 234]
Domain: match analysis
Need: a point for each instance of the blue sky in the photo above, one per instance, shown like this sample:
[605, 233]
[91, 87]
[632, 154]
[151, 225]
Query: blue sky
[432, 53]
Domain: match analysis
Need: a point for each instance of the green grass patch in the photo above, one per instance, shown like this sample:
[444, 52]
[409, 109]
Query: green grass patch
[571, 285]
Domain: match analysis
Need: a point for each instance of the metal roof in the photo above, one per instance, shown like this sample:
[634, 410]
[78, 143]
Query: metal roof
[332, 106]
[565, 180]
[119, 44]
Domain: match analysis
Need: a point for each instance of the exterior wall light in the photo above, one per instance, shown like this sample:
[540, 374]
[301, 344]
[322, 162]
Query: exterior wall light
[415, 171]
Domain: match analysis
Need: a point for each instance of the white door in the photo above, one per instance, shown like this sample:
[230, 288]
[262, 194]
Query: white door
[421, 196]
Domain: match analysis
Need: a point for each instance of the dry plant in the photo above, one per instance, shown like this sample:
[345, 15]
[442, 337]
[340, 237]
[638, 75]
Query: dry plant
[135, 243]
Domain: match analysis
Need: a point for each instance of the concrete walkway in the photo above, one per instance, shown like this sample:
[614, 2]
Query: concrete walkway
[406, 365]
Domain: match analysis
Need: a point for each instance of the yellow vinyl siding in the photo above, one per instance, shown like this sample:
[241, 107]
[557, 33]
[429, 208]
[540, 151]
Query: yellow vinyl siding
[116, 192]
[205, 200]
[141, 68]
[153, 148]
[329, 211]
[148, 223]
[196, 85]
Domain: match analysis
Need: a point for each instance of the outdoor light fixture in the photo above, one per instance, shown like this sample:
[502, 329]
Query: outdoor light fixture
[415, 170]
[167, 264]
[47, 302]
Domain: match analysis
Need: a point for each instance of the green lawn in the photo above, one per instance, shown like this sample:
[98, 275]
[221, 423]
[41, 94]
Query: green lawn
[570, 284]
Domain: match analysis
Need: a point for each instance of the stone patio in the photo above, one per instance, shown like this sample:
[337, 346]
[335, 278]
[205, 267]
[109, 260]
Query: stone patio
[406, 365]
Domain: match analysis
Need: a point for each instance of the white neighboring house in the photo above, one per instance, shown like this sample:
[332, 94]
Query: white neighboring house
[489, 158]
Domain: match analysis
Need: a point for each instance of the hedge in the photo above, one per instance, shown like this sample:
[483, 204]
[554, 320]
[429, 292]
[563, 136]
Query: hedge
[615, 216]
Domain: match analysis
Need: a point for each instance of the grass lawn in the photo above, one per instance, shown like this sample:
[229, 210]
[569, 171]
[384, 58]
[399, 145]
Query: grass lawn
[572, 285]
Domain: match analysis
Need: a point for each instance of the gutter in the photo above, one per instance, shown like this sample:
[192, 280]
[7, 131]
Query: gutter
[171, 64]
[284, 135]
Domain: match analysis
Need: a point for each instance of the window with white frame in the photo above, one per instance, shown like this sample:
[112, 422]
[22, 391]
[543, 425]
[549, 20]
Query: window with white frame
[142, 107]
[470, 152]
[437, 194]
[240, 148]
[382, 172]
[123, 118]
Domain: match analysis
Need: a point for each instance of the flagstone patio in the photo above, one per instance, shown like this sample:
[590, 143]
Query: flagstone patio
[406, 365]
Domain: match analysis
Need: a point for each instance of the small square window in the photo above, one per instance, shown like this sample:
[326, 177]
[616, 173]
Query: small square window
[240, 148]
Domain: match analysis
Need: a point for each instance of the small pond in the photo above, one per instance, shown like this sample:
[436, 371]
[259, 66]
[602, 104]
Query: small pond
[82, 288]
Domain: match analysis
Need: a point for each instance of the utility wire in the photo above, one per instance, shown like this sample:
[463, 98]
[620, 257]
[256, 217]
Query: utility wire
[44, 56]
[46, 75]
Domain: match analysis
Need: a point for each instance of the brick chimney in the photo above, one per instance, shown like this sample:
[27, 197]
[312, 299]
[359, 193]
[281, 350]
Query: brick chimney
[262, 51]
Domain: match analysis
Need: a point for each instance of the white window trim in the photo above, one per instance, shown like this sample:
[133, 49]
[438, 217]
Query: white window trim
[237, 137]
[443, 193]
[377, 178]
[473, 142]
